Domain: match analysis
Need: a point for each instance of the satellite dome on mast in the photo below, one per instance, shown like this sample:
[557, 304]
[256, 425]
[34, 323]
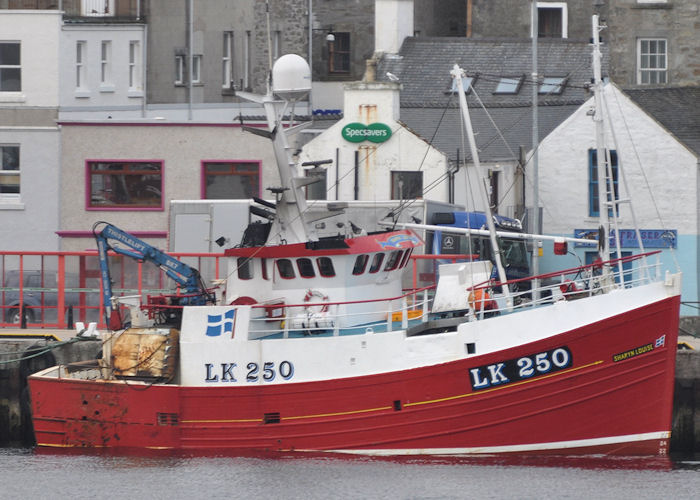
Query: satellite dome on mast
[291, 77]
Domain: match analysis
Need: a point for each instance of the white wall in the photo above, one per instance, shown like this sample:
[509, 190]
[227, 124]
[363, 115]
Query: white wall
[369, 103]
[93, 94]
[393, 21]
[662, 175]
[38, 31]
[30, 223]
[649, 156]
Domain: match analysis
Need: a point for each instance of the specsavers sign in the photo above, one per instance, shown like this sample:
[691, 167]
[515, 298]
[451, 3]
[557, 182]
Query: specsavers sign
[358, 132]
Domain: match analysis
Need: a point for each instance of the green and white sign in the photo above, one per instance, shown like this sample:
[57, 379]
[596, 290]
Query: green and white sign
[358, 132]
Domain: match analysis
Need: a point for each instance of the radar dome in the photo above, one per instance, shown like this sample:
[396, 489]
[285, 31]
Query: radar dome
[291, 77]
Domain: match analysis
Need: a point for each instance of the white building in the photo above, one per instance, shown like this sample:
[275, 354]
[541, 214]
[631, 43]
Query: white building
[392, 163]
[661, 173]
[29, 137]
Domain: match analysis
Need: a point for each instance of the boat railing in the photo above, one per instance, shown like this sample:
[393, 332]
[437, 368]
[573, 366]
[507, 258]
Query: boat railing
[568, 284]
[334, 318]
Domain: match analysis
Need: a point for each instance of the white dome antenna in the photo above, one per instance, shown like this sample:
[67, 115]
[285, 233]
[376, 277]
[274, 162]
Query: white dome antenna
[291, 77]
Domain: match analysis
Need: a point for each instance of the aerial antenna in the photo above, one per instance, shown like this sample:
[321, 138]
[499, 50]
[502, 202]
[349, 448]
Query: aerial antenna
[269, 44]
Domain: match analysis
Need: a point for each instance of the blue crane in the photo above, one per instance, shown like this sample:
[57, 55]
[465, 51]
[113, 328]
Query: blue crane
[193, 290]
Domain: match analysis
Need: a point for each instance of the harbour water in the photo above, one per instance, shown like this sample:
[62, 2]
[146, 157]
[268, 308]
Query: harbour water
[25, 473]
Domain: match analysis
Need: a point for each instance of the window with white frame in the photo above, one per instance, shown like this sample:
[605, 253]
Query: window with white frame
[552, 20]
[105, 62]
[552, 85]
[227, 61]
[197, 69]
[276, 44]
[10, 67]
[97, 8]
[467, 82]
[651, 61]
[80, 66]
[9, 171]
[179, 70]
[246, 62]
[134, 65]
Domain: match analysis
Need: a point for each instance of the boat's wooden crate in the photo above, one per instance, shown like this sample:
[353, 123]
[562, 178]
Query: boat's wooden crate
[146, 353]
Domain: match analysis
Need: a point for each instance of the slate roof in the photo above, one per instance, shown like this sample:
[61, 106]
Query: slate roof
[423, 68]
[676, 108]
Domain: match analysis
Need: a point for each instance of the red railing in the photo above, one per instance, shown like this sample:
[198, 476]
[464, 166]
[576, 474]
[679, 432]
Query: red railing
[57, 289]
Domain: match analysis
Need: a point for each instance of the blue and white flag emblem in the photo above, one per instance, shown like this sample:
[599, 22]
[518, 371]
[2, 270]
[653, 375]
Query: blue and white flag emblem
[660, 341]
[220, 323]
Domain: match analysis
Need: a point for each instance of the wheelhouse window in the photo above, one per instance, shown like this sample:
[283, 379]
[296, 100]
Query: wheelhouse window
[285, 268]
[406, 257]
[325, 267]
[593, 195]
[376, 263]
[125, 184]
[9, 171]
[651, 61]
[306, 268]
[393, 261]
[10, 67]
[245, 268]
[339, 53]
[360, 264]
[406, 185]
[225, 180]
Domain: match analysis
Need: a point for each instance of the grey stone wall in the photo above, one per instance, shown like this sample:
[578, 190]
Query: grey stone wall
[677, 20]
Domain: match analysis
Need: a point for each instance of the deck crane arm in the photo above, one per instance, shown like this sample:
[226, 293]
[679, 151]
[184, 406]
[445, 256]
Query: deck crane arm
[189, 279]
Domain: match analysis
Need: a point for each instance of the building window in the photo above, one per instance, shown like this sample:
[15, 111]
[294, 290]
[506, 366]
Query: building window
[508, 85]
[406, 185]
[10, 68]
[9, 171]
[134, 65]
[467, 82]
[317, 190]
[593, 207]
[179, 70]
[552, 85]
[80, 67]
[106, 62]
[230, 180]
[227, 61]
[97, 8]
[246, 61]
[339, 53]
[651, 61]
[552, 20]
[197, 69]
[276, 44]
[125, 184]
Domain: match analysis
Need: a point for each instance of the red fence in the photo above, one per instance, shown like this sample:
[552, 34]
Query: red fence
[57, 289]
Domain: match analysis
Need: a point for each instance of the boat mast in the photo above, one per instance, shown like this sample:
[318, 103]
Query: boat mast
[457, 75]
[604, 198]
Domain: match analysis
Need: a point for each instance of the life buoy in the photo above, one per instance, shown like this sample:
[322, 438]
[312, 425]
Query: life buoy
[320, 301]
[479, 299]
